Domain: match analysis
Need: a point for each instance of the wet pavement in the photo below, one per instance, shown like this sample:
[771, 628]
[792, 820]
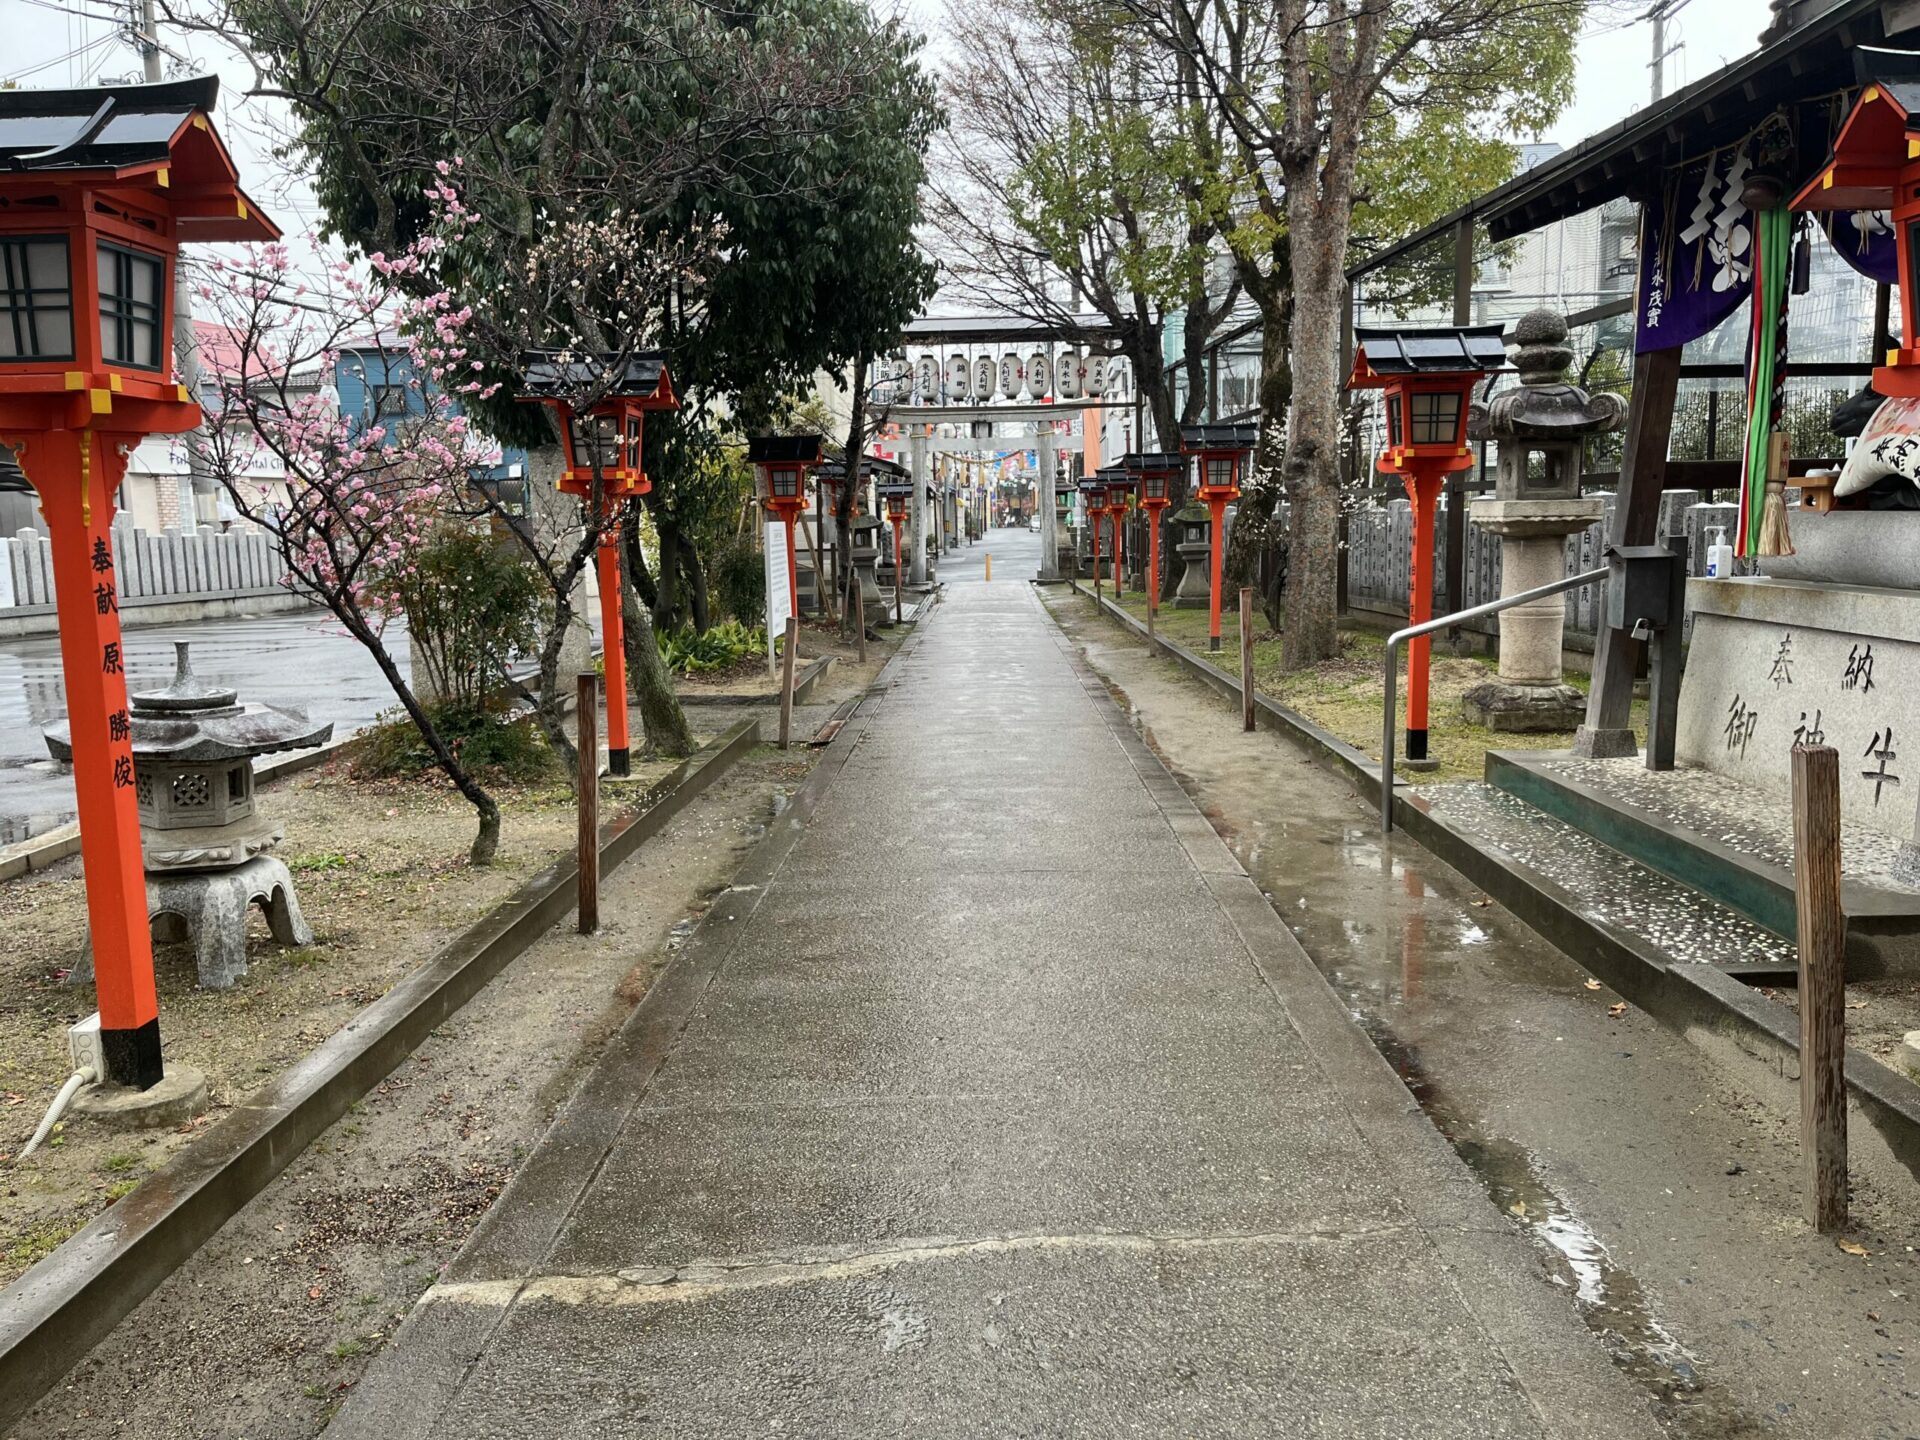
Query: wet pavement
[994, 1100]
[303, 659]
[1661, 1198]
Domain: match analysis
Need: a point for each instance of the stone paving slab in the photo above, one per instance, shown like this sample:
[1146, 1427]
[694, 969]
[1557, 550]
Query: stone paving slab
[993, 1100]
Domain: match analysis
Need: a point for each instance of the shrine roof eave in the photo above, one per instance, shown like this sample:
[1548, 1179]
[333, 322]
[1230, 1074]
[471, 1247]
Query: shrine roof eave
[1626, 159]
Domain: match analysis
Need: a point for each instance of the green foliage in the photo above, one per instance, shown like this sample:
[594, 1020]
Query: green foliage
[491, 741]
[688, 652]
[470, 605]
[739, 578]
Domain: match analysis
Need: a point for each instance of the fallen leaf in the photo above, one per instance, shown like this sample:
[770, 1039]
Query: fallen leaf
[1873, 1317]
[1482, 903]
[1519, 1207]
[1853, 1247]
[315, 1292]
[1593, 984]
[1617, 1009]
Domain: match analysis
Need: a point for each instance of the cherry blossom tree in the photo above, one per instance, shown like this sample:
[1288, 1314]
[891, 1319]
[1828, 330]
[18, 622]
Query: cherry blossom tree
[351, 499]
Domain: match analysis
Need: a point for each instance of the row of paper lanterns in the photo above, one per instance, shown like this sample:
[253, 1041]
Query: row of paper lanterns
[1039, 376]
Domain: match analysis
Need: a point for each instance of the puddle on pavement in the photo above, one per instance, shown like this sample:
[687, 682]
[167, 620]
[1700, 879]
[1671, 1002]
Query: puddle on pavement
[1381, 999]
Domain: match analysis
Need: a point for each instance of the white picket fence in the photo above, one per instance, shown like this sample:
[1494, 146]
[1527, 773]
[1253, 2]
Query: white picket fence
[152, 568]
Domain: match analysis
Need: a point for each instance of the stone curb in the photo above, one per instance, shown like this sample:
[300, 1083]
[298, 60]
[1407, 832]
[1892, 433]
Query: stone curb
[396, 1400]
[1748, 1034]
[52, 1315]
[803, 684]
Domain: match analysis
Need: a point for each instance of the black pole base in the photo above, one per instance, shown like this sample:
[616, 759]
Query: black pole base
[618, 763]
[133, 1056]
[1416, 744]
[1213, 642]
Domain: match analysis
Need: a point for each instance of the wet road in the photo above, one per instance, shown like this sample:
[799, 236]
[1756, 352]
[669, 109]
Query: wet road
[993, 1099]
[1661, 1197]
[302, 659]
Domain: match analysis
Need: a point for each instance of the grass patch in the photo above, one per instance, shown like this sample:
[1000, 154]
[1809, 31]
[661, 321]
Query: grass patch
[126, 1160]
[35, 1245]
[347, 1349]
[1342, 695]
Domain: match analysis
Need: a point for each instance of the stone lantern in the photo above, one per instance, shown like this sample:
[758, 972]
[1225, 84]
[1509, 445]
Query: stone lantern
[202, 841]
[1541, 426]
[1194, 546]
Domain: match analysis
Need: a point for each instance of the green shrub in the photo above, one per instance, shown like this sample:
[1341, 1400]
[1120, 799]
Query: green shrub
[723, 646]
[737, 577]
[489, 740]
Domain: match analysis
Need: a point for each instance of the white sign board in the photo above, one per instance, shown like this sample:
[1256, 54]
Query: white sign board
[779, 596]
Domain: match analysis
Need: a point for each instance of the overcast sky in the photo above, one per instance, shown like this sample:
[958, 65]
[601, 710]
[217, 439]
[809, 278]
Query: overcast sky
[72, 42]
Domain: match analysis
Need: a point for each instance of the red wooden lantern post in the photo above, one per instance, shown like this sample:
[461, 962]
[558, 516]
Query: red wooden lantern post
[780, 465]
[1119, 501]
[600, 402]
[1094, 488]
[1220, 449]
[1876, 166]
[1155, 473]
[896, 492]
[97, 193]
[1429, 377]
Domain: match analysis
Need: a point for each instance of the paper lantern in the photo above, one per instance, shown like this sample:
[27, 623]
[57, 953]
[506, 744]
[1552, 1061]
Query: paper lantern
[1011, 376]
[1039, 375]
[1096, 383]
[983, 379]
[1067, 373]
[959, 378]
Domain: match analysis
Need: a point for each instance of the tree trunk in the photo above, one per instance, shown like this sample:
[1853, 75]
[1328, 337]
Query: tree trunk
[1255, 526]
[695, 576]
[662, 720]
[1312, 467]
[666, 604]
[843, 508]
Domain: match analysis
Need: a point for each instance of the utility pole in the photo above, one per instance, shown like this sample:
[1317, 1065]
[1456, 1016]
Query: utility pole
[1659, 15]
[186, 341]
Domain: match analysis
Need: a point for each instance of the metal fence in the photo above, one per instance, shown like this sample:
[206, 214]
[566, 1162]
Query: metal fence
[1380, 550]
[152, 568]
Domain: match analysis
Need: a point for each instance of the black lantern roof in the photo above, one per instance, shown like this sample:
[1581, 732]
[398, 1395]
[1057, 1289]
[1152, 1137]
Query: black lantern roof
[101, 128]
[568, 374]
[1095, 481]
[1153, 462]
[1116, 477]
[872, 467]
[784, 450]
[1451, 350]
[1222, 437]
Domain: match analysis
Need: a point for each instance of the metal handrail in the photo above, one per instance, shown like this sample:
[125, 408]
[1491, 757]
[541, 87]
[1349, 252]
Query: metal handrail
[1413, 632]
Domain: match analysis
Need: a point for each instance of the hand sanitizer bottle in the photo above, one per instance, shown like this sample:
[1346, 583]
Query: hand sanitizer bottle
[1719, 554]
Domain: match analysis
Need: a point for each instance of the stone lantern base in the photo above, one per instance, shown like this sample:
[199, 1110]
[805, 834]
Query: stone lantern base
[209, 908]
[1195, 591]
[1530, 694]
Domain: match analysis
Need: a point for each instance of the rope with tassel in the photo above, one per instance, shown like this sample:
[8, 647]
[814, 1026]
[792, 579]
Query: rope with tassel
[1763, 479]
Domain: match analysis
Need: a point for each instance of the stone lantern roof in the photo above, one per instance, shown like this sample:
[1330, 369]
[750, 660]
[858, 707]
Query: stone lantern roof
[1545, 405]
[191, 722]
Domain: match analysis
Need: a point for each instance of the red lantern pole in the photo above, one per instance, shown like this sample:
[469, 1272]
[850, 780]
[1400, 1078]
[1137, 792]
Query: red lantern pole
[1119, 548]
[793, 568]
[1216, 507]
[613, 645]
[1094, 515]
[1424, 492]
[77, 473]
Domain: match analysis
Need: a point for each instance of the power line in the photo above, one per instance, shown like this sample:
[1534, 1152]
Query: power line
[93, 44]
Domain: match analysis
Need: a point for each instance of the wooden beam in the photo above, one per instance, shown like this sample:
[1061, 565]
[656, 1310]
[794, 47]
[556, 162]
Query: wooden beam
[1636, 513]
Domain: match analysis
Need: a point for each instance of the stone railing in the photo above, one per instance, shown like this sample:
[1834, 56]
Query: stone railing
[203, 569]
[1380, 547]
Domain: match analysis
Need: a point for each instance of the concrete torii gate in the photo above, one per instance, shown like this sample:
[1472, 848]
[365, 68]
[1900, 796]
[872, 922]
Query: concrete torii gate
[922, 444]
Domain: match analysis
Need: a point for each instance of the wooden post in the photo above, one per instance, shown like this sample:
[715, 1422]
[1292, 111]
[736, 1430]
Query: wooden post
[857, 603]
[587, 702]
[1823, 995]
[1636, 517]
[1246, 657]
[786, 680]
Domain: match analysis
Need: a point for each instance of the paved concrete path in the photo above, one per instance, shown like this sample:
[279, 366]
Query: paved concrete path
[993, 1101]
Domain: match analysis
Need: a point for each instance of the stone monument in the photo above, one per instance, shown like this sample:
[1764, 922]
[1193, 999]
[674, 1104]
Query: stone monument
[202, 838]
[1193, 524]
[1541, 426]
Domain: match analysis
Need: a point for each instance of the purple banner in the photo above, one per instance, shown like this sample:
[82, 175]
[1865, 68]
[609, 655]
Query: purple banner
[1696, 254]
[1864, 239]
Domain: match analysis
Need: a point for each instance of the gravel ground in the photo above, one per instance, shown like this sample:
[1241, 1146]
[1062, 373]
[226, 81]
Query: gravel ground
[263, 1331]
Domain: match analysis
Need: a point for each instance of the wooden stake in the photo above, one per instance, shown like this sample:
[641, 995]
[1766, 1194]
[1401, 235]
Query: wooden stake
[1823, 996]
[1246, 657]
[857, 610]
[786, 680]
[586, 715]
